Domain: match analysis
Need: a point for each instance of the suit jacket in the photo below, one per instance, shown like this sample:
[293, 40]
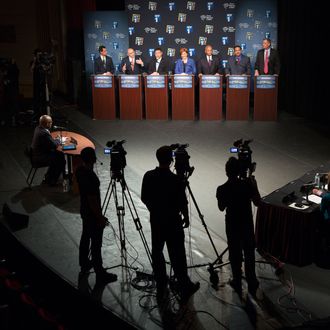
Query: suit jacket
[190, 66]
[138, 69]
[163, 68]
[239, 68]
[204, 67]
[273, 62]
[99, 67]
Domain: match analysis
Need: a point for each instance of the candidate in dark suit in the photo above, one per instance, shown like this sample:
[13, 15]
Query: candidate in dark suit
[132, 64]
[209, 63]
[103, 64]
[185, 64]
[268, 59]
[159, 64]
[238, 64]
[44, 151]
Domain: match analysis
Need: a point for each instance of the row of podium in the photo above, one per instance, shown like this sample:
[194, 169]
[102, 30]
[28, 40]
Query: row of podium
[153, 92]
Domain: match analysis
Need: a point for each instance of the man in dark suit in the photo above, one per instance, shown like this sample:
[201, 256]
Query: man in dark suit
[268, 60]
[159, 64]
[132, 64]
[238, 64]
[209, 63]
[103, 64]
[44, 151]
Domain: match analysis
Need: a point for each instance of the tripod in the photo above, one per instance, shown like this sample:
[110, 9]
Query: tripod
[117, 178]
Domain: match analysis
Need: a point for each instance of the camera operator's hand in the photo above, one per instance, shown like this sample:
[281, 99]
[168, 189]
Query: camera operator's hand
[186, 221]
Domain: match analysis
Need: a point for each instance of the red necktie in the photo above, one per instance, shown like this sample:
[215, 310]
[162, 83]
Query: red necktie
[266, 63]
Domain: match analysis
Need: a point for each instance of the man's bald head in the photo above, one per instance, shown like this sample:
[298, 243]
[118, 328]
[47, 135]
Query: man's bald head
[45, 121]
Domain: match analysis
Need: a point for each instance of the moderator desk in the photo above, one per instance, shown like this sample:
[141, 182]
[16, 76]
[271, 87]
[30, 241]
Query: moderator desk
[287, 233]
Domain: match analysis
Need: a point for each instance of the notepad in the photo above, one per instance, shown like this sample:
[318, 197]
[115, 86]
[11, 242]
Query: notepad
[70, 146]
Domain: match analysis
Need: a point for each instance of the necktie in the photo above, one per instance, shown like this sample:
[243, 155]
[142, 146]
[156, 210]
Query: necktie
[132, 65]
[209, 60]
[157, 65]
[104, 62]
[266, 62]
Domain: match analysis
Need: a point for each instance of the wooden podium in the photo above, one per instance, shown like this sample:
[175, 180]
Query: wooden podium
[130, 97]
[104, 102]
[156, 96]
[183, 97]
[265, 97]
[210, 97]
[238, 97]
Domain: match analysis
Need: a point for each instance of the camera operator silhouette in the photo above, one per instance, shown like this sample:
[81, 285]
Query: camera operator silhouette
[163, 192]
[235, 197]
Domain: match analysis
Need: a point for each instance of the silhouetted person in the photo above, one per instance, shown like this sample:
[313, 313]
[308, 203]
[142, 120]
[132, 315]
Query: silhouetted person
[267, 60]
[92, 218]
[103, 64]
[164, 195]
[235, 197]
[44, 150]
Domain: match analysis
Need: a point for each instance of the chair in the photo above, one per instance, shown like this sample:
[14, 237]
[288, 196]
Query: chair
[34, 166]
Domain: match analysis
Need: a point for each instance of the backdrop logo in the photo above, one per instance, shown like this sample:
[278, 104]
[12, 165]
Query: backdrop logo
[151, 51]
[138, 52]
[97, 45]
[210, 5]
[206, 17]
[150, 30]
[229, 5]
[161, 41]
[115, 45]
[267, 35]
[182, 17]
[189, 29]
[114, 25]
[120, 35]
[171, 6]
[171, 52]
[139, 41]
[224, 63]
[215, 52]
[229, 17]
[230, 29]
[97, 24]
[191, 5]
[202, 41]
[224, 40]
[133, 7]
[131, 30]
[92, 36]
[272, 25]
[136, 18]
[257, 24]
[243, 25]
[230, 51]
[268, 13]
[117, 66]
[121, 56]
[157, 18]
[106, 35]
[170, 29]
[249, 36]
[182, 41]
[92, 56]
[250, 13]
[243, 46]
[192, 51]
[208, 29]
[152, 5]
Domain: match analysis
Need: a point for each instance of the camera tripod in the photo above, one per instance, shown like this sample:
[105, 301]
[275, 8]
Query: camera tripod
[118, 179]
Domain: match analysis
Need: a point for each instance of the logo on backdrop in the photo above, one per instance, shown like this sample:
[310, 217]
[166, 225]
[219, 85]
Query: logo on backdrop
[208, 29]
[268, 13]
[180, 41]
[202, 41]
[210, 5]
[191, 5]
[136, 18]
[230, 29]
[97, 24]
[171, 6]
[150, 30]
[151, 51]
[115, 45]
[189, 29]
[152, 5]
[157, 18]
[230, 51]
[106, 35]
[171, 52]
[192, 51]
[249, 35]
[267, 35]
[133, 7]
[243, 46]
[257, 24]
[206, 17]
[243, 25]
[229, 17]
[131, 30]
[229, 5]
[224, 63]
[224, 40]
[114, 25]
[120, 35]
[161, 41]
[182, 17]
[139, 41]
[250, 13]
[170, 29]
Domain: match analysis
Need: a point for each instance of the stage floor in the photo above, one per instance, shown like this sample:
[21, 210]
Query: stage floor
[283, 151]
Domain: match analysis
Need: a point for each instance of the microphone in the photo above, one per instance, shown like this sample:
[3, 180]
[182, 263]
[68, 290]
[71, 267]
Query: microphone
[61, 128]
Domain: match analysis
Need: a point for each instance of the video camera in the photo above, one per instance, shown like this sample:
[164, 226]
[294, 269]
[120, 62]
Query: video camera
[244, 152]
[182, 166]
[118, 157]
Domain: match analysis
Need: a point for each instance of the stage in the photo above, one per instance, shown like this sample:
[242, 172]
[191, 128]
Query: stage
[283, 151]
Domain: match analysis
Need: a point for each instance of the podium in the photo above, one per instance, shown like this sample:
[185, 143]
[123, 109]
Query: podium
[183, 97]
[156, 97]
[104, 102]
[238, 97]
[130, 97]
[265, 97]
[210, 97]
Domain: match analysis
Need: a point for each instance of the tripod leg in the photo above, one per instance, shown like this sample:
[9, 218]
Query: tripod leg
[107, 197]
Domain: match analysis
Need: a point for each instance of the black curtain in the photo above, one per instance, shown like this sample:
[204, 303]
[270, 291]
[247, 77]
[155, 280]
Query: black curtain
[303, 88]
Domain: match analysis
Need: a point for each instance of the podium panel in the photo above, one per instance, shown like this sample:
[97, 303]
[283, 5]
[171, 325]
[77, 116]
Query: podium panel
[265, 98]
[156, 97]
[104, 102]
[130, 97]
[238, 97]
[183, 97]
[210, 97]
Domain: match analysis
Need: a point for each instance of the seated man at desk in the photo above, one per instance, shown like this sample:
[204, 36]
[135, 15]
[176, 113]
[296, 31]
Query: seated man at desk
[44, 151]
